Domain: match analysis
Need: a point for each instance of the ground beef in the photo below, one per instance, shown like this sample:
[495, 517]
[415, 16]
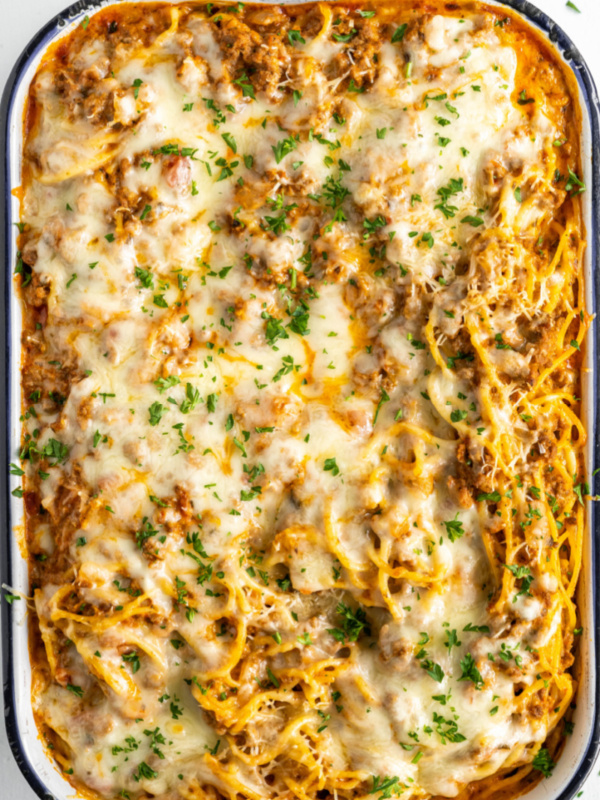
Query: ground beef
[359, 59]
[263, 58]
[473, 469]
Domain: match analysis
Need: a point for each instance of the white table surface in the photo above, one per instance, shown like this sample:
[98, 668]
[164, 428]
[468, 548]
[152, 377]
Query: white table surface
[21, 19]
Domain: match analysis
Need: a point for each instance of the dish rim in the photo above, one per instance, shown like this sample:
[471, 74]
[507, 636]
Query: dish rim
[588, 98]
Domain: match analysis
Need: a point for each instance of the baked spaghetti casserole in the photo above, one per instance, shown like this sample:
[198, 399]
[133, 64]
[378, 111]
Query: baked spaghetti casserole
[302, 455]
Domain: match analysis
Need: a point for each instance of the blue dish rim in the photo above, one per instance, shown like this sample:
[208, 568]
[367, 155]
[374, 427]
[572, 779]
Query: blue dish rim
[41, 40]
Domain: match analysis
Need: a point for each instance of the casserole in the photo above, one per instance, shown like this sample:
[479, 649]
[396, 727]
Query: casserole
[478, 222]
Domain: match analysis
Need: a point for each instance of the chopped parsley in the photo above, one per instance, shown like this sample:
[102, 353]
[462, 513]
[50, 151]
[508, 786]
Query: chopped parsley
[330, 465]
[283, 147]
[155, 413]
[475, 222]
[543, 762]
[133, 659]
[398, 34]
[295, 37]
[470, 671]
[454, 186]
[354, 624]
[574, 185]
[386, 787]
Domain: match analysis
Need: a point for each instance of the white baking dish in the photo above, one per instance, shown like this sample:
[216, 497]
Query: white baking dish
[45, 779]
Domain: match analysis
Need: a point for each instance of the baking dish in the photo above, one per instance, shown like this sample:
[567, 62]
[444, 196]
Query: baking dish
[578, 756]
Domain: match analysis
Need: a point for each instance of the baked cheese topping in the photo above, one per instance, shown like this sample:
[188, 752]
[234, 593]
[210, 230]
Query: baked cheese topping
[302, 446]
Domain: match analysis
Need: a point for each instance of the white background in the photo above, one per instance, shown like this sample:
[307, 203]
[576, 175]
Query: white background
[21, 19]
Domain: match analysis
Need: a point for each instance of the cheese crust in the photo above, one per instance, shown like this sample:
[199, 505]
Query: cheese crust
[302, 444]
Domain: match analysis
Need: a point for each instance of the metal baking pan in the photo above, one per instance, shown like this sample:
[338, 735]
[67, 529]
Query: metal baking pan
[44, 778]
